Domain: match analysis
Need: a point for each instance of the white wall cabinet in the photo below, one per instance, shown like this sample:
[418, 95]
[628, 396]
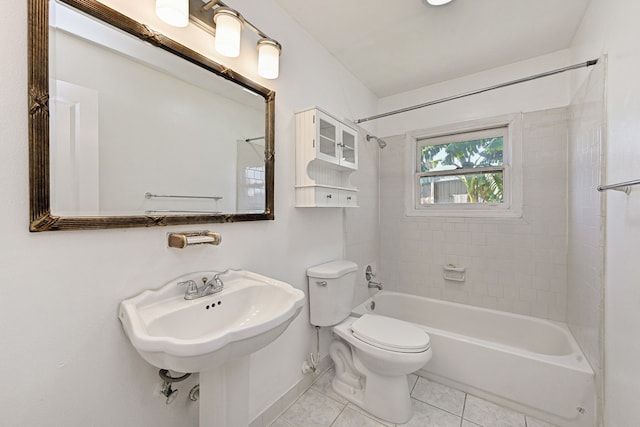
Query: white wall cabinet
[326, 155]
[334, 142]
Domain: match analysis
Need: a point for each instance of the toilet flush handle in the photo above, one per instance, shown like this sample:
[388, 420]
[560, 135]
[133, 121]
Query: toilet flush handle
[322, 283]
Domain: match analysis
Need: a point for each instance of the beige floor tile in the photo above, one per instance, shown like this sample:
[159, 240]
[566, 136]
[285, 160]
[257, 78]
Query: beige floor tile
[352, 418]
[323, 385]
[280, 423]
[489, 414]
[312, 409]
[439, 395]
[383, 422]
[434, 404]
[534, 422]
[427, 415]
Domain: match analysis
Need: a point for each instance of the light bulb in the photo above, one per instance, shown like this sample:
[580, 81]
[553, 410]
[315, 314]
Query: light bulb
[228, 30]
[173, 12]
[268, 58]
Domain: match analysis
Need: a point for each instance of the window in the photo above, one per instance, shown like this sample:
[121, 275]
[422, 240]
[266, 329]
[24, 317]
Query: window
[466, 172]
[254, 185]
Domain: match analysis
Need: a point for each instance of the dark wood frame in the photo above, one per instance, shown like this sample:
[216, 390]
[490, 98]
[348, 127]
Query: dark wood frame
[39, 177]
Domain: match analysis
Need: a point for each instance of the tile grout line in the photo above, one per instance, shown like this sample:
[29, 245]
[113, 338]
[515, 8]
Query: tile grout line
[464, 406]
[415, 383]
[338, 416]
[366, 414]
[326, 395]
[439, 408]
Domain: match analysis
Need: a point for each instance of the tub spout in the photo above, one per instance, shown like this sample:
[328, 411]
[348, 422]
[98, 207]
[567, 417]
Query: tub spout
[377, 285]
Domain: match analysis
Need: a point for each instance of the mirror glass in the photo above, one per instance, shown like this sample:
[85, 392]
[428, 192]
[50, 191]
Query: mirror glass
[138, 130]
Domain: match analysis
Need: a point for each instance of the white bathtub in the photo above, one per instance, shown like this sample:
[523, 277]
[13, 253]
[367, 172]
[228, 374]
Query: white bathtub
[529, 364]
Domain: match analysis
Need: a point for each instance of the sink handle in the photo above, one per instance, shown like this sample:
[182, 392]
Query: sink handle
[217, 276]
[192, 289]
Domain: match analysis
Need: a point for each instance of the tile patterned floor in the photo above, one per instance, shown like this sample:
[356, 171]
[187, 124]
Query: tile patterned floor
[434, 405]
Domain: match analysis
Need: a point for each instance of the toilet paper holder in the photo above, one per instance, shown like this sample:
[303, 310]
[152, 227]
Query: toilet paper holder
[189, 238]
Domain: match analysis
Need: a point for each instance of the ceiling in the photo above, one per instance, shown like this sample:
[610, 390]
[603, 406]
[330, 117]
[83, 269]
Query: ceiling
[401, 45]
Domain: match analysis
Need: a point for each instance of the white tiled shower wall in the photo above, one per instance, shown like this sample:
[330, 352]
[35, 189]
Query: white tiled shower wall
[585, 262]
[516, 265]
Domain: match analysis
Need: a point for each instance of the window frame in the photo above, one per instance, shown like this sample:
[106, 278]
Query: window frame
[511, 207]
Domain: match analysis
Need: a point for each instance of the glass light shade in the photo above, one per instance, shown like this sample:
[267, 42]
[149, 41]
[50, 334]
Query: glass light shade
[268, 58]
[228, 31]
[173, 12]
[437, 2]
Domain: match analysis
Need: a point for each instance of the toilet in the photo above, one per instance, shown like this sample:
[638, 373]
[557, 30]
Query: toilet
[372, 354]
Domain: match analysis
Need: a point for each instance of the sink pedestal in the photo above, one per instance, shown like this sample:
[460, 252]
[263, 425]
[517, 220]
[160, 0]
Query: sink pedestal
[224, 394]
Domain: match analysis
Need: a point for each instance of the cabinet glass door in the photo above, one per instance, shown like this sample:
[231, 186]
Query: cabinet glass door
[327, 139]
[349, 148]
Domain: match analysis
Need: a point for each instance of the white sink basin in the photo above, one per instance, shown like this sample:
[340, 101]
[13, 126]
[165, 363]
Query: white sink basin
[202, 334]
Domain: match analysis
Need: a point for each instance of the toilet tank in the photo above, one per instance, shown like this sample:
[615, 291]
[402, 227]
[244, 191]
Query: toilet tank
[331, 287]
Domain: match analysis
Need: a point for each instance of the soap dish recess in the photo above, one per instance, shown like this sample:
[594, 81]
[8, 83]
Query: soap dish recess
[451, 272]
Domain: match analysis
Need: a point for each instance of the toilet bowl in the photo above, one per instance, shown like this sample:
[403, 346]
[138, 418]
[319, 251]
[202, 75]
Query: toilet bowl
[372, 356]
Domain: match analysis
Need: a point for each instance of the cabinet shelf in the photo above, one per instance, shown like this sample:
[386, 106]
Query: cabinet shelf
[334, 187]
[326, 156]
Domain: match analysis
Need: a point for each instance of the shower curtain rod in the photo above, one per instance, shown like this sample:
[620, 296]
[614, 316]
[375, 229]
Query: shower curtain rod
[475, 92]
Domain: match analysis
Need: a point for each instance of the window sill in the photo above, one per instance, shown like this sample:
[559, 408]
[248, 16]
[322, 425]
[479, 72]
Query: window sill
[465, 213]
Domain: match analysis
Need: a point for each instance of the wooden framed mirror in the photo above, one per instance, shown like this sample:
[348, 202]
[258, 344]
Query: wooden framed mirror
[100, 155]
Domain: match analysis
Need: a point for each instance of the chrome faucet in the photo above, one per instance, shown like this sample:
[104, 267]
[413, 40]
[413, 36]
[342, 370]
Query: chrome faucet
[371, 285]
[192, 291]
[211, 286]
[369, 274]
[214, 285]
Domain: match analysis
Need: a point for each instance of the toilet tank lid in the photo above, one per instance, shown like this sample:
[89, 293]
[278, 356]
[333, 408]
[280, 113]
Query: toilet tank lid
[332, 270]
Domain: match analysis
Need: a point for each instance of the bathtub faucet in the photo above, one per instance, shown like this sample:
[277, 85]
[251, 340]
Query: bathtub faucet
[374, 285]
[369, 274]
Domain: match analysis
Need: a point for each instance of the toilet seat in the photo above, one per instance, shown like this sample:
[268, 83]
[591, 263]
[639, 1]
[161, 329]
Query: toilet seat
[390, 334]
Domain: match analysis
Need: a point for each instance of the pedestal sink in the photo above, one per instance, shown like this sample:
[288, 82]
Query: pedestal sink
[213, 335]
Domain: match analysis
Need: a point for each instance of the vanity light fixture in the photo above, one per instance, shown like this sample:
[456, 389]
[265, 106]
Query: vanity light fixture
[268, 58]
[228, 30]
[173, 12]
[226, 25]
[436, 2]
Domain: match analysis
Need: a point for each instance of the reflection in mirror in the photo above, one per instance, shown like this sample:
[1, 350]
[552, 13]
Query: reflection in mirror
[141, 135]
[129, 119]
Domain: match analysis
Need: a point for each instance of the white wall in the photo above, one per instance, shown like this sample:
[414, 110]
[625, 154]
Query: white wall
[535, 95]
[517, 265]
[65, 360]
[610, 27]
